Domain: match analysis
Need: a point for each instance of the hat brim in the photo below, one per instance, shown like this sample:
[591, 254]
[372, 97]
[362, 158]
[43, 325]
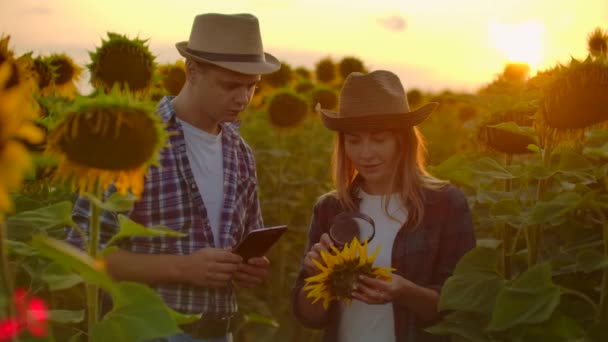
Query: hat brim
[270, 65]
[389, 121]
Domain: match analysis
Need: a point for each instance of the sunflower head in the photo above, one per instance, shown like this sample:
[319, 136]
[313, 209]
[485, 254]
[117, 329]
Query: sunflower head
[597, 42]
[66, 74]
[107, 139]
[16, 127]
[44, 73]
[340, 270]
[287, 109]
[125, 62]
[173, 76]
[574, 96]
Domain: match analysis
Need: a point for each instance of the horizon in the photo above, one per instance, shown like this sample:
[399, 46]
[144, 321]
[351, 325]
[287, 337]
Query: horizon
[433, 47]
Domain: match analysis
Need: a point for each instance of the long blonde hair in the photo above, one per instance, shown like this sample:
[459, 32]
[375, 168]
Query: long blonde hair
[410, 176]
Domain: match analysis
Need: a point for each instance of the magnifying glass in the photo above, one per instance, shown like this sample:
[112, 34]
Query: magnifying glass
[348, 225]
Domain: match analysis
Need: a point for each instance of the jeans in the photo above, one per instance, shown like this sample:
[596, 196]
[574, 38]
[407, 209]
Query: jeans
[188, 338]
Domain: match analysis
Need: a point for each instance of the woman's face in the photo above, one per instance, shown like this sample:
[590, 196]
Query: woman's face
[374, 155]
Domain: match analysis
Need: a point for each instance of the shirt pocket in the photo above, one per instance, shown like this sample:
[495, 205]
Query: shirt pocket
[243, 197]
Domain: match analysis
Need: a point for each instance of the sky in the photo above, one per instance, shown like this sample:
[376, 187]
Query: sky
[433, 45]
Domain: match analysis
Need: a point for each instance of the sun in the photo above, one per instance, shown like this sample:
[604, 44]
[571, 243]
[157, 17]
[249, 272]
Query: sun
[518, 43]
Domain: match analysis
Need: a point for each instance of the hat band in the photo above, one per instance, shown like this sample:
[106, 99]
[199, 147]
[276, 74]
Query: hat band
[226, 57]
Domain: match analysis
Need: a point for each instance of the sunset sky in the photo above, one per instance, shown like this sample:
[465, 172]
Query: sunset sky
[432, 44]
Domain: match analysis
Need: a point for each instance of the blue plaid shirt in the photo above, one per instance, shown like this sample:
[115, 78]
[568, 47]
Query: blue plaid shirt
[172, 198]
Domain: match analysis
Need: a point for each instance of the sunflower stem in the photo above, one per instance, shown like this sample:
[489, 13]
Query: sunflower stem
[604, 289]
[93, 248]
[7, 282]
[507, 232]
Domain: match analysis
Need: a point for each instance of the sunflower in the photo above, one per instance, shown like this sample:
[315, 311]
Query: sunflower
[338, 276]
[16, 127]
[173, 76]
[121, 61]
[574, 96]
[107, 139]
[287, 109]
[65, 75]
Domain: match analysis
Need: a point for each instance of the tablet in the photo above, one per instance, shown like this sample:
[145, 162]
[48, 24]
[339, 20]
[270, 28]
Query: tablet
[257, 242]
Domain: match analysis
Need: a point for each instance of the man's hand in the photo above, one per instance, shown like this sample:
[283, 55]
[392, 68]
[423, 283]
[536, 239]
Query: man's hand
[210, 267]
[252, 273]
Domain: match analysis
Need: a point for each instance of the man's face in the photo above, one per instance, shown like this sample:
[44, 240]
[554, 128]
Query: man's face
[223, 94]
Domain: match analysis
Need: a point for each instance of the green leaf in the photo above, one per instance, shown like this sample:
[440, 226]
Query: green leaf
[20, 248]
[115, 203]
[475, 283]
[558, 328]
[572, 161]
[590, 260]
[534, 148]
[139, 314]
[596, 152]
[489, 167]
[539, 172]
[66, 316]
[41, 219]
[505, 207]
[556, 208]
[514, 128]
[468, 326]
[73, 258]
[254, 317]
[129, 228]
[58, 277]
[454, 169]
[493, 196]
[529, 299]
[181, 318]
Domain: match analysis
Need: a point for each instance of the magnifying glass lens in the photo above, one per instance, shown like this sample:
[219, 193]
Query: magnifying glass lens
[351, 225]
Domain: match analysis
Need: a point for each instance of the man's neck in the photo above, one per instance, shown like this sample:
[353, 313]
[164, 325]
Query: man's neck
[188, 112]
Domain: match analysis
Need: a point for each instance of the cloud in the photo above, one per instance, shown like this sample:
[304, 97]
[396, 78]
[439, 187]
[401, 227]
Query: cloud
[393, 23]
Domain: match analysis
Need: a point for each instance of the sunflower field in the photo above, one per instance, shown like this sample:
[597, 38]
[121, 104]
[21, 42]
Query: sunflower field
[530, 152]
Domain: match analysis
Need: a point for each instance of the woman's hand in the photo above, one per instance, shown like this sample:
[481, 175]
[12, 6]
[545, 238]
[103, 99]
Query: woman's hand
[380, 290]
[314, 253]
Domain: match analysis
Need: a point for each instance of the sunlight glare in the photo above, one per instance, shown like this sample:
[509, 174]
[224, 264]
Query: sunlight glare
[518, 43]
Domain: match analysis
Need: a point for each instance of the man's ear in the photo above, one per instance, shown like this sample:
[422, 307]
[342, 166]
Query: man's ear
[191, 70]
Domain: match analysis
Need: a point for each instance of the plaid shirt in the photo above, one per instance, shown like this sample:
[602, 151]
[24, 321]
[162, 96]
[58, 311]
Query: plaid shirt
[172, 198]
[426, 256]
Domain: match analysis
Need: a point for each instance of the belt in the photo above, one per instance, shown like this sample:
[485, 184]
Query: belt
[209, 327]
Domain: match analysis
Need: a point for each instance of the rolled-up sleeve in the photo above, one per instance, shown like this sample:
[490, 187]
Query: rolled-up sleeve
[314, 236]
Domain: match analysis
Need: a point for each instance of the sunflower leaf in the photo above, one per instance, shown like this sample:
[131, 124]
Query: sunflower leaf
[115, 203]
[129, 228]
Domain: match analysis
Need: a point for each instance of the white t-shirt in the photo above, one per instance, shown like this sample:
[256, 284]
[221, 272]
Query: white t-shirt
[204, 152]
[364, 322]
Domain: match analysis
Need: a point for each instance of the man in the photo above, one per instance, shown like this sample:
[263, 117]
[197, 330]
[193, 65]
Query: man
[206, 186]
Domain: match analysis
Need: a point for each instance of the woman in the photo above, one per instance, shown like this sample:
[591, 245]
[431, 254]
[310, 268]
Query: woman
[423, 225]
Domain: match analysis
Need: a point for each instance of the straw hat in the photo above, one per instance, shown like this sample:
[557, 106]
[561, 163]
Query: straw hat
[231, 41]
[373, 101]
